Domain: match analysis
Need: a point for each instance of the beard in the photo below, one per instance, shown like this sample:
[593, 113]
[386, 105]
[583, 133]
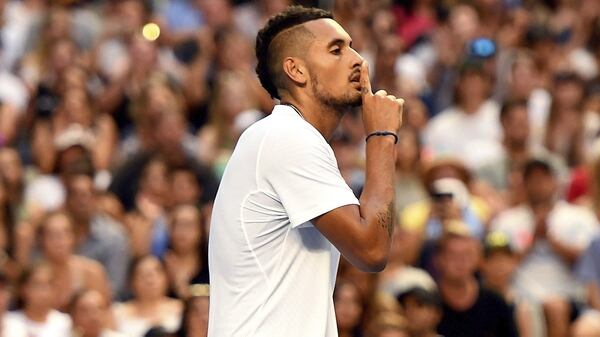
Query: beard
[343, 102]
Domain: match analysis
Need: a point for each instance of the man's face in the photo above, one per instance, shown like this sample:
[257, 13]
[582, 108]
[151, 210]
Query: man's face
[540, 186]
[89, 313]
[81, 196]
[516, 126]
[333, 66]
[459, 258]
[421, 317]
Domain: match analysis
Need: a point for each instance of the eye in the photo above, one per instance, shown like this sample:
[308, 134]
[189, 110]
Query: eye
[336, 51]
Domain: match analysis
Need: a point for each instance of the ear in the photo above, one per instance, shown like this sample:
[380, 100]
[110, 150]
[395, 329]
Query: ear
[295, 70]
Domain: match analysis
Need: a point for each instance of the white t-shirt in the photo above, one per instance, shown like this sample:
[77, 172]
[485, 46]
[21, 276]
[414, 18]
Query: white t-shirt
[57, 324]
[543, 273]
[273, 273]
[475, 138]
[12, 327]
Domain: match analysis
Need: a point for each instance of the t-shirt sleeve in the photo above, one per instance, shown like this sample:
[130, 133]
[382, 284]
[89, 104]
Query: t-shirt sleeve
[588, 267]
[302, 171]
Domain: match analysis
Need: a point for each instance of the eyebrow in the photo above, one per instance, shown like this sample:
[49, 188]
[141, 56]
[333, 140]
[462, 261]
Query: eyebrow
[338, 42]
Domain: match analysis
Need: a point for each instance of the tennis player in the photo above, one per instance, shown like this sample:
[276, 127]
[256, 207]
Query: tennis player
[283, 213]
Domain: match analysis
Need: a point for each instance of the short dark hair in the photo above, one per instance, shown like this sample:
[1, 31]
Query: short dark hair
[292, 16]
[535, 165]
[509, 105]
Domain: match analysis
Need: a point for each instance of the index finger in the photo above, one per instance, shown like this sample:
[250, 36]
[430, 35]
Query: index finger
[365, 82]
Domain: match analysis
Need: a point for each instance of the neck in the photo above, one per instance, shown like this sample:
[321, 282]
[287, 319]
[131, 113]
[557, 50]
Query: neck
[36, 313]
[88, 333]
[471, 105]
[324, 118]
[82, 230]
[185, 254]
[149, 302]
[59, 265]
[516, 151]
[459, 288]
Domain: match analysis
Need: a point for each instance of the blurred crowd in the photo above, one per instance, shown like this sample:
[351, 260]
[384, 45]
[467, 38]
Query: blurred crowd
[117, 118]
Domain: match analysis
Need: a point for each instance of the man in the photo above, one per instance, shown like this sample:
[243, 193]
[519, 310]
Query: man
[98, 236]
[475, 114]
[468, 309]
[283, 212]
[90, 313]
[550, 236]
[422, 309]
[500, 173]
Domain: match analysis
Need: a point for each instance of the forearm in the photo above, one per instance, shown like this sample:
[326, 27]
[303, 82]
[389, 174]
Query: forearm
[378, 195]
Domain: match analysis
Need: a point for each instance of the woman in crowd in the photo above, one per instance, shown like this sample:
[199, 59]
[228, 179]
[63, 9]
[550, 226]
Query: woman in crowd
[37, 300]
[150, 306]
[186, 261]
[71, 273]
[350, 309]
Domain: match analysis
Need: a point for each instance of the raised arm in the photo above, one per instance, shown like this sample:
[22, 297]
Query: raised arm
[363, 233]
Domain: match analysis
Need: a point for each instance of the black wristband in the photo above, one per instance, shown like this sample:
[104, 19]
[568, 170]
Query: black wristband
[383, 133]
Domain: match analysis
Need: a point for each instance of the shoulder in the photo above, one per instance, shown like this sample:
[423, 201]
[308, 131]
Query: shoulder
[291, 139]
[59, 319]
[105, 227]
[491, 107]
[122, 309]
[14, 324]
[91, 268]
[447, 116]
[172, 306]
[573, 212]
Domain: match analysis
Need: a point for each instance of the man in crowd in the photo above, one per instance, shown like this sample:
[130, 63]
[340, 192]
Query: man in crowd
[468, 308]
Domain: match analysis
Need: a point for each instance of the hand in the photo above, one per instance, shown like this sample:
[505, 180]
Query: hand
[380, 111]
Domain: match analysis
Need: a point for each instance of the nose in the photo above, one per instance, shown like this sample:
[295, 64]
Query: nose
[356, 58]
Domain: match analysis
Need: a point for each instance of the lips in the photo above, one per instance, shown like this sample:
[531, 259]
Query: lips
[355, 77]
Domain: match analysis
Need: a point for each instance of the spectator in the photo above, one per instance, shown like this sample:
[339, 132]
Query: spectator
[475, 114]
[12, 172]
[150, 305]
[588, 272]
[468, 308]
[37, 298]
[564, 132]
[9, 325]
[70, 273]
[499, 264]
[422, 223]
[550, 235]
[503, 173]
[96, 235]
[170, 144]
[194, 322]
[90, 314]
[587, 325]
[423, 311]
[350, 309]
[147, 223]
[388, 325]
[186, 261]
[185, 186]
[409, 186]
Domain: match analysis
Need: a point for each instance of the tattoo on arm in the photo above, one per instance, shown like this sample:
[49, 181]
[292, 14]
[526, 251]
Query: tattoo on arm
[384, 219]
